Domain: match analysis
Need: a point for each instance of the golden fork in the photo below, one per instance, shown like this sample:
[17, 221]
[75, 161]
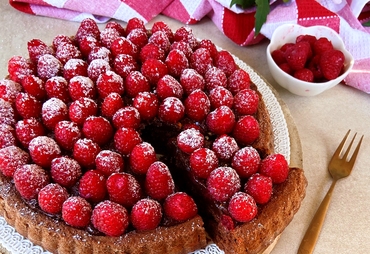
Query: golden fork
[339, 167]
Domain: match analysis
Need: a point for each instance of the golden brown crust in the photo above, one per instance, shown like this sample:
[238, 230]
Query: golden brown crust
[57, 237]
[273, 218]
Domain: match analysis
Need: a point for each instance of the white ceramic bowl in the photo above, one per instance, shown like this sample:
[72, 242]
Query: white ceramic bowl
[288, 33]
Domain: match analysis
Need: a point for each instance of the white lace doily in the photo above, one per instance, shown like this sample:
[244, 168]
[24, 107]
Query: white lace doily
[17, 244]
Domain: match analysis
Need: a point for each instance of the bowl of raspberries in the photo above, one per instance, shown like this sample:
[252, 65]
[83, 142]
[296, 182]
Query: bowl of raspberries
[307, 60]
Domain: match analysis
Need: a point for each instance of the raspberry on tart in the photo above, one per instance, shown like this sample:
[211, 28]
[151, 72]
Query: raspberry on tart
[124, 189]
[65, 171]
[223, 183]
[11, 158]
[146, 214]
[92, 186]
[51, 198]
[109, 162]
[27, 129]
[180, 206]
[76, 211]
[7, 136]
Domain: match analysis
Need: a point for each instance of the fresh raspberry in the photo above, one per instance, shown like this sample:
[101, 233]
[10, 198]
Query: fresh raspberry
[160, 39]
[66, 133]
[225, 61]
[153, 70]
[147, 104]
[111, 104]
[238, 81]
[74, 67]
[151, 51]
[109, 162]
[61, 39]
[57, 87]
[49, 66]
[332, 63]
[208, 44]
[128, 117]
[34, 86]
[65, 171]
[278, 56]
[7, 114]
[215, 77]
[246, 161]
[122, 45]
[314, 67]
[221, 120]
[81, 109]
[201, 60]
[259, 187]
[286, 46]
[124, 64]
[109, 82]
[202, 162]
[223, 183]
[51, 198]
[37, 48]
[53, 111]
[123, 189]
[108, 36]
[246, 102]
[184, 47]
[297, 55]
[116, 26]
[100, 53]
[242, 207]
[27, 106]
[92, 186]
[110, 218]
[304, 75]
[286, 68]
[191, 80]
[135, 83]
[158, 181]
[180, 207]
[7, 136]
[168, 86]
[29, 179]
[76, 211]
[138, 37]
[67, 51]
[176, 62]
[246, 130]
[87, 44]
[227, 222]
[197, 105]
[43, 150]
[11, 158]
[27, 129]
[98, 129]
[134, 23]
[171, 110]
[80, 86]
[225, 147]
[221, 96]
[141, 157]
[19, 67]
[190, 140]
[9, 90]
[96, 68]
[162, 26]
[276, 167]
[88, 27]
[322, 45]
[146, 214]
[85, 152]
[306, 37]
[125, 139]
[186, 34]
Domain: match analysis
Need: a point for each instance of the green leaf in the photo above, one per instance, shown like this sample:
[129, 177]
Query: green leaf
[263, 9]
[243, 3]
[366, 23]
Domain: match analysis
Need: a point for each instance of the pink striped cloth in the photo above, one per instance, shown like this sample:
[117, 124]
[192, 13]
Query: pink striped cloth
[343, 16]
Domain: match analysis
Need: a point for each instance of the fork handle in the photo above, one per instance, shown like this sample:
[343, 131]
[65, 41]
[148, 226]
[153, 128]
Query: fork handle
[313, 231]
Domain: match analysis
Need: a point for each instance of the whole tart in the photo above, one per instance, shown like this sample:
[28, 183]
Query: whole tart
[139, 88]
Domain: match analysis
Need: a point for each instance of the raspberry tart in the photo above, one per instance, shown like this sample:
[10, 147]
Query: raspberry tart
[128, 140]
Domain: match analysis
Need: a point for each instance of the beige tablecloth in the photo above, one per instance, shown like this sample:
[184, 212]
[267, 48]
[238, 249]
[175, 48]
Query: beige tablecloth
[321, 122]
